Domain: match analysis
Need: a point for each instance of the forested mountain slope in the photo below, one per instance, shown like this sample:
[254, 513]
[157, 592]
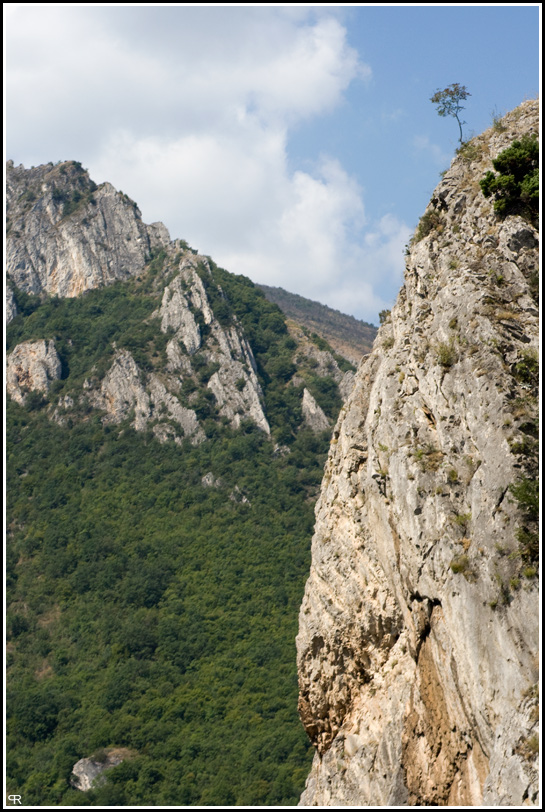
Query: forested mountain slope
[166, 438]
[350, 337]
[419, 629]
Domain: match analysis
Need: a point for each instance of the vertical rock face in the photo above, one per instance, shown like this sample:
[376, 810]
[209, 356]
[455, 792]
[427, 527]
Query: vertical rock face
[65, 235]
[313, 415]
[11, 305]
[32, 366]
[418, 635]
[233, 381]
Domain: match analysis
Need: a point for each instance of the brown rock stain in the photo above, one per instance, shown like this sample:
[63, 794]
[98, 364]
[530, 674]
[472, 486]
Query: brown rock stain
[444, 765]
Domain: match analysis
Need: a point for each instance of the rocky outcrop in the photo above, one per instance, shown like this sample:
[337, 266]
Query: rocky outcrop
[225, 349]
[418, 633]
[11, 305]
[200, 353]
[313, 415]
[32, 366]
[65, 235]
[88, 773]
[125, 389]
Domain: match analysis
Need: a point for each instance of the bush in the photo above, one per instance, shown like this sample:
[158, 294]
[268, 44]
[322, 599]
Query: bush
[516, 188]
[446, 354]
[459, 564]
[527, 369]
[526, 492]
[430, 221]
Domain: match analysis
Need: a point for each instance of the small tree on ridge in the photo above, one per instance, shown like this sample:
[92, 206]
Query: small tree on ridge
[448, 102]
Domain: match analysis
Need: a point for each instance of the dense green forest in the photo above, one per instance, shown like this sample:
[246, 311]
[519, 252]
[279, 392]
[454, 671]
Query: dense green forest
[147, 610]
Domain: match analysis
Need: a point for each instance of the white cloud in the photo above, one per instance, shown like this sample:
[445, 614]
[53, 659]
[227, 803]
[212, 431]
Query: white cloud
[189, 111]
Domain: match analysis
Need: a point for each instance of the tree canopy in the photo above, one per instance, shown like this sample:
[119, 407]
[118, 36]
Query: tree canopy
[449, 100]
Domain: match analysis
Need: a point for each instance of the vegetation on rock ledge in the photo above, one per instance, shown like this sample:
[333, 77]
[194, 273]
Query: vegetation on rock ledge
[516, 187]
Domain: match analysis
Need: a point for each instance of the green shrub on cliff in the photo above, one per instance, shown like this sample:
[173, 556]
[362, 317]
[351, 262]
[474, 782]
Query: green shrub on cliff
[516, 187]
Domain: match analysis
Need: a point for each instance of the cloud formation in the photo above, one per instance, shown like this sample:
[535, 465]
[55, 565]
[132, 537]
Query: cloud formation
[189, 111]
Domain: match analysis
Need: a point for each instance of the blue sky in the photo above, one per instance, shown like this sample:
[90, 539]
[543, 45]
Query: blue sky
[294, 144]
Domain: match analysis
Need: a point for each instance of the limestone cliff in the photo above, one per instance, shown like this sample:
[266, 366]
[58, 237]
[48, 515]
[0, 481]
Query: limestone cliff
[32, 366]
[66, 235]
[418, 635]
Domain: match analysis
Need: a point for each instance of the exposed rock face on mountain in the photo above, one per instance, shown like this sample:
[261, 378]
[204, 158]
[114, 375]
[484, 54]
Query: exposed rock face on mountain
[154, 397]
[234, 383]
[32, 366]
[66, 235]
[314, 416]
[125, 388]
[89, 772]
[418, 636]
[11, 306]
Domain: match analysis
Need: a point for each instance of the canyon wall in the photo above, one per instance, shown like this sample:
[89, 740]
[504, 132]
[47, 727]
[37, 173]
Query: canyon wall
[418, 636]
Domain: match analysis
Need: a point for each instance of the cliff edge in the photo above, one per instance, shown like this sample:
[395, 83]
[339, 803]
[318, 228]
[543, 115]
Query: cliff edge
[66, 235]
[418, 636]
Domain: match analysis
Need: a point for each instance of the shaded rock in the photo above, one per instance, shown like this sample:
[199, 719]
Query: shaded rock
[11, 306]
[346, 384]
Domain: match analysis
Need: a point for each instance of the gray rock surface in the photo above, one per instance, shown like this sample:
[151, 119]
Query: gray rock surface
[125, 389]
[234, 382]
[210, 481]
[31, 366]
[88, 773]
[65, 235]
[419, 629]
[313, 414]
[11, 305]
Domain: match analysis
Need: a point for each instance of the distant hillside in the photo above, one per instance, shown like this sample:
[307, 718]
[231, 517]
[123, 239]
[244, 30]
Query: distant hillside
[348, 336]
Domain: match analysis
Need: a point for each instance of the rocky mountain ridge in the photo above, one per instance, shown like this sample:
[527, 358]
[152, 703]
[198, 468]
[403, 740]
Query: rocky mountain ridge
[66, 237]
[419, 629]
[166, 433]
[348, 336]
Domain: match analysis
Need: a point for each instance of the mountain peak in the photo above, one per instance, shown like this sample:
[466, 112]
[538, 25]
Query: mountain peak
[66, 235]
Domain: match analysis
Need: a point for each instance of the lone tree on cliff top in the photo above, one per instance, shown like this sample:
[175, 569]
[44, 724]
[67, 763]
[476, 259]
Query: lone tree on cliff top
[448, 102]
